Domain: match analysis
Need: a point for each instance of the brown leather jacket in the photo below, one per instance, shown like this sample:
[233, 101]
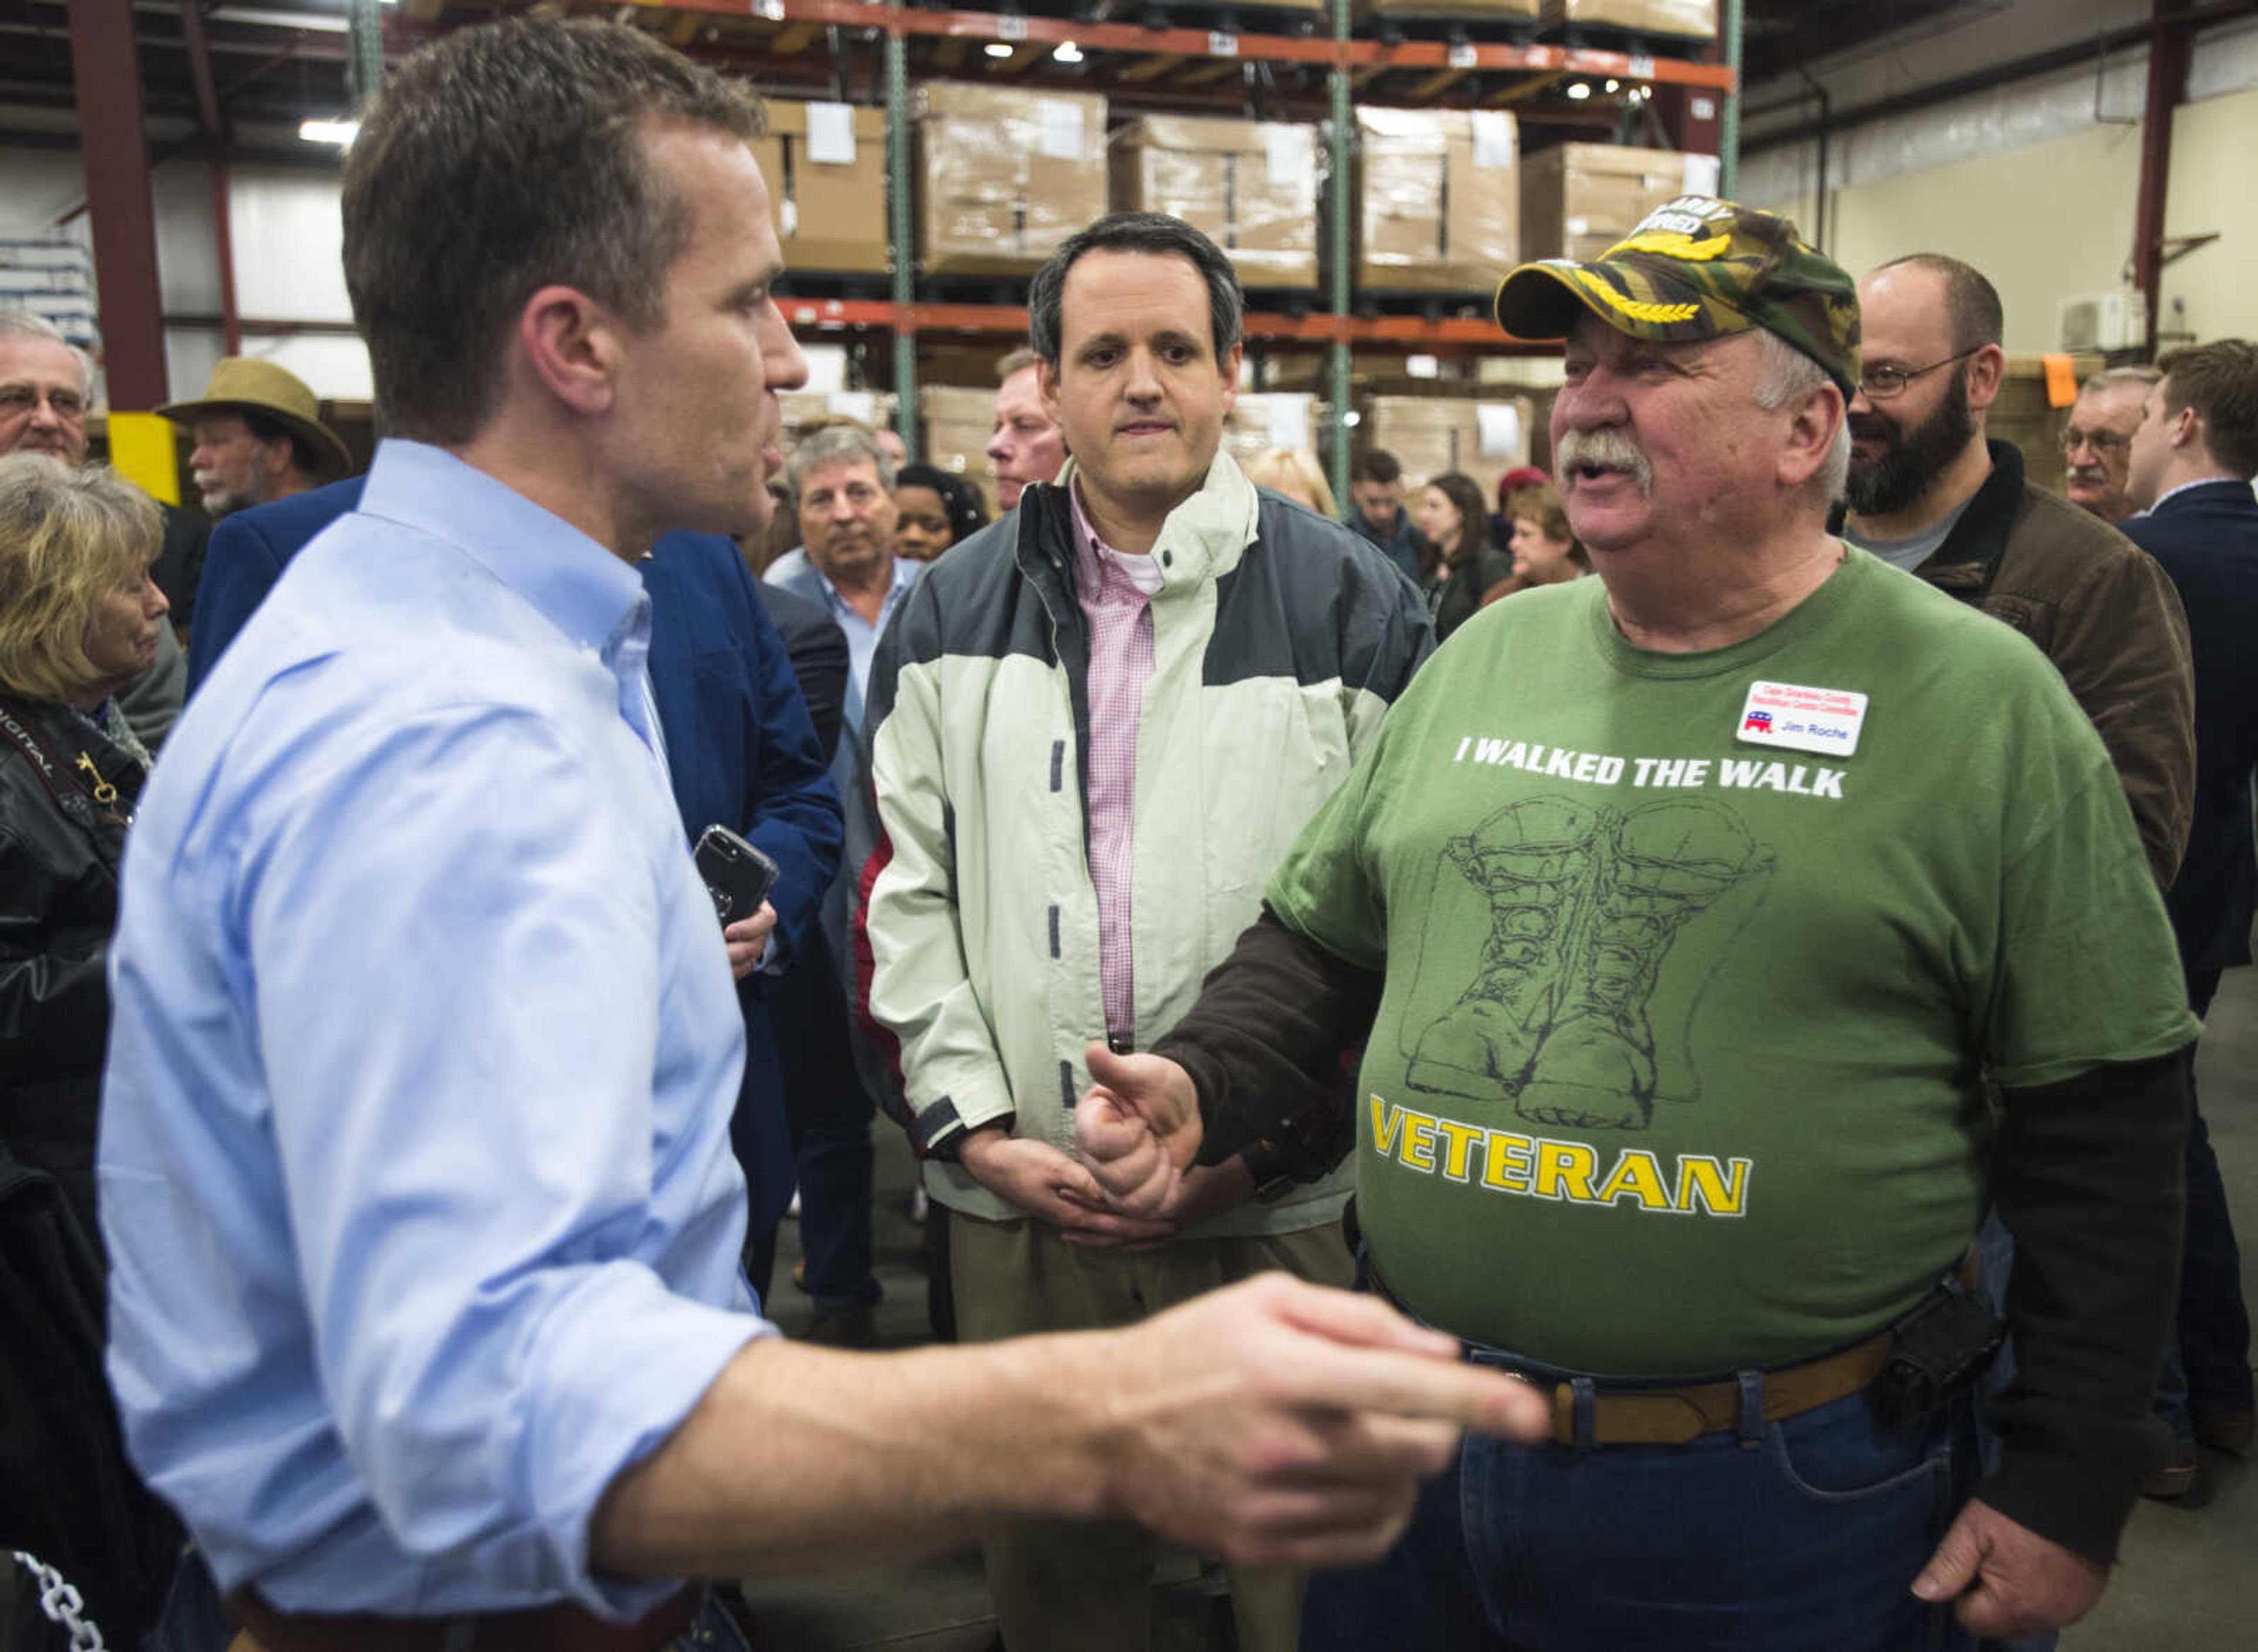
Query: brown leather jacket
[2110, 619]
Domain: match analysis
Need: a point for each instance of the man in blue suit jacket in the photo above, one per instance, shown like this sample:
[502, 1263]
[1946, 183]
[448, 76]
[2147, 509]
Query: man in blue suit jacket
[2190, 464]
[742, 752]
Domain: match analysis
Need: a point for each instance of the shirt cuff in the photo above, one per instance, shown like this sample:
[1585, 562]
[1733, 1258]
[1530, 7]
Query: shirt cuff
[613, 1375]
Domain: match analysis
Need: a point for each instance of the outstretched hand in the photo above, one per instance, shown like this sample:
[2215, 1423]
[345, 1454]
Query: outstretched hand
[1280, 1423]
[1137, 1128]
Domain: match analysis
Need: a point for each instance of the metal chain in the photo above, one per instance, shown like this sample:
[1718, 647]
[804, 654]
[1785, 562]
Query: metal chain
[60, 1600]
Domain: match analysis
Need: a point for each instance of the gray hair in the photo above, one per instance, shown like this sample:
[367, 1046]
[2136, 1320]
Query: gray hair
[21, 323]
[2122, 379]
[846, 441]
[1789, 374]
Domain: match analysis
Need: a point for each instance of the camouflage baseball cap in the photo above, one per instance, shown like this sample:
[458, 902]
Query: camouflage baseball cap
[1698, 268]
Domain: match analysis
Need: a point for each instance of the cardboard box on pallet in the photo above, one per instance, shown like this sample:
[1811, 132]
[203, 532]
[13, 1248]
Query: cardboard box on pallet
[958, 423]
[1261, 419]
[1430, 436]
[803, 408]
[1690, 19]
[1579, 199]
[1007, 175]
[1250, 186]
[825, 164]
[1507, 11]
[1438, 200]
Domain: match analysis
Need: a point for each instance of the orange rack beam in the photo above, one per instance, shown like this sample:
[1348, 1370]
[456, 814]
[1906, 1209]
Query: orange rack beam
[1121, 36]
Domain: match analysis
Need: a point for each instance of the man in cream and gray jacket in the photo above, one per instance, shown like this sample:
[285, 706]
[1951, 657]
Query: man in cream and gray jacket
[1097, 726]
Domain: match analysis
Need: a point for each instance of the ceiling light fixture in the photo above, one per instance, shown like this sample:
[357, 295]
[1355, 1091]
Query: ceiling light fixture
[340, 132]
[1068, 53]
[1580, 91]
[997, 48]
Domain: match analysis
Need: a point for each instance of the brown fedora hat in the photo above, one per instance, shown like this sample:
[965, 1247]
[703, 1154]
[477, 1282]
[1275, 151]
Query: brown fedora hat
[240, 384]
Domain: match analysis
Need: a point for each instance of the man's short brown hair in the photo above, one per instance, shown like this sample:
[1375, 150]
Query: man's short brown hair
[1018, 361]
[2219, 381]
[495, 162]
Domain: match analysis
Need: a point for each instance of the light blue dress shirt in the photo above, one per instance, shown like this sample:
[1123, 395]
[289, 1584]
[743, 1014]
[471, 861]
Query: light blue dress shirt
[862, 635]
[415, 1158]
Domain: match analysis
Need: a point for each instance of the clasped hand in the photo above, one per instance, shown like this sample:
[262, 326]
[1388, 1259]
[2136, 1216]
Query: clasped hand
[1137, 1129]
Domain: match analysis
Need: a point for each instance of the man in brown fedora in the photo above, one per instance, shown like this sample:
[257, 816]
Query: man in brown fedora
[258, 436]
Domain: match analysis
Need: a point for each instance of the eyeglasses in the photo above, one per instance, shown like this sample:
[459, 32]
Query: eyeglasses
[18, 401]
[1886, 383]
[2099, 441]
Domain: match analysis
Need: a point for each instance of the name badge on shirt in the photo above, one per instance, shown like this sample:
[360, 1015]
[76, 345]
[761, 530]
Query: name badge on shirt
[1821, 719]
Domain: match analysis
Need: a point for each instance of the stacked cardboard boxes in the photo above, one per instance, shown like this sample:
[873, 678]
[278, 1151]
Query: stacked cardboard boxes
[1438, 200]
[1250, 186]
[804, 407]
[1579, 199]
[1261, 419]
[825, 164]
[1430, 435]
[1692, 19]
[1479, 10]
[1008, 174]
[957, 425]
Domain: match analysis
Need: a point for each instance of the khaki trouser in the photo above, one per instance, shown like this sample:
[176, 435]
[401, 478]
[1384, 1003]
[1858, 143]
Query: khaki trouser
[1087, 1586]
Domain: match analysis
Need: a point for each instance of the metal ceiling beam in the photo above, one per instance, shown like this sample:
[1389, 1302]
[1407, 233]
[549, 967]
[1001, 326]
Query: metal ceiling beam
[106, 75]
[2168, 39]
[213, 117]
[2081, 53]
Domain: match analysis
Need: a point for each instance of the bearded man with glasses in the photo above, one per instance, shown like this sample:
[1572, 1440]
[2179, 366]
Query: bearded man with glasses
[1931, 493]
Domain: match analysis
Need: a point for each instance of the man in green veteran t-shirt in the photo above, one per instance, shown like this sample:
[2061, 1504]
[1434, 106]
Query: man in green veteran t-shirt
[1721, 934]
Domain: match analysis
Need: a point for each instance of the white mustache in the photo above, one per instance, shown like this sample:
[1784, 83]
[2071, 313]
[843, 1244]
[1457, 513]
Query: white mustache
[1605, 450]
[2088, 473]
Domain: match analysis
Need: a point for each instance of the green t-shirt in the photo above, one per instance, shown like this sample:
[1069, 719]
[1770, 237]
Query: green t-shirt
[1681, 1063]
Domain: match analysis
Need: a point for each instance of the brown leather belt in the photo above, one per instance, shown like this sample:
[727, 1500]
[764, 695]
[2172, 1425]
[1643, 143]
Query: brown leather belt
[1672, 1416]
[561, 1627]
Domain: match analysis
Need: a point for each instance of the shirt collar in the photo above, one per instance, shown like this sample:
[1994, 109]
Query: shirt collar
[1096, 560]
[906, 573]
[2201, 481]
[571, 580]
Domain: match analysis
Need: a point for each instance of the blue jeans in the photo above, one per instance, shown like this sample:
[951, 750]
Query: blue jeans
[1808, 1535]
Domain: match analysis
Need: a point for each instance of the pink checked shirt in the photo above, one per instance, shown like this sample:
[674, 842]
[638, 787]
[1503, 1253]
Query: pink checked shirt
[1115, 594]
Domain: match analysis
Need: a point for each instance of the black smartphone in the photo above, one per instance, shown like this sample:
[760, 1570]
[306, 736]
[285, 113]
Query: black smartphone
[738, 875]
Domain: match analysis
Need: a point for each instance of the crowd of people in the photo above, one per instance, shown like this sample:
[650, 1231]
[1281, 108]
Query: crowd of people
[1364, 1141]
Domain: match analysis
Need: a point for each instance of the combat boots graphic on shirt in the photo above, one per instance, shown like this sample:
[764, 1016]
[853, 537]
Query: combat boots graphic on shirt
[1584, 904]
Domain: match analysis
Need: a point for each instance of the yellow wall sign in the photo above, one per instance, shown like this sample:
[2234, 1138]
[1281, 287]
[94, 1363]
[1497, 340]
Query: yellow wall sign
[142, 449]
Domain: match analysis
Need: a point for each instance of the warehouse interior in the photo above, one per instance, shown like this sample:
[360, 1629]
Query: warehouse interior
[169, 188]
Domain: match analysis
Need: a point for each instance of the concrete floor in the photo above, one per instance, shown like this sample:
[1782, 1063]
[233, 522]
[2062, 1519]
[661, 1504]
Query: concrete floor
[2188, 1577]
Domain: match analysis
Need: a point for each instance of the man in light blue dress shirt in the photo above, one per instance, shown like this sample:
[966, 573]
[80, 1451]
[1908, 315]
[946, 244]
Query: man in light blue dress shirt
[415, 1165]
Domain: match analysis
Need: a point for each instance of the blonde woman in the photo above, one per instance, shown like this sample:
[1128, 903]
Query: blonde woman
[1290, 472]
[79, 618]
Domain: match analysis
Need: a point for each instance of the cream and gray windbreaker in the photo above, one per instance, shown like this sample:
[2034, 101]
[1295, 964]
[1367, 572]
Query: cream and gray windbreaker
[1279, 641]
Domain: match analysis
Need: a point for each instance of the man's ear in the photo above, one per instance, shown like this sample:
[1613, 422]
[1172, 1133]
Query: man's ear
[573, 347]
[2188, 431]
[1987, 370]
[1233, 359]
[1047, 387]
[1811, 435]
